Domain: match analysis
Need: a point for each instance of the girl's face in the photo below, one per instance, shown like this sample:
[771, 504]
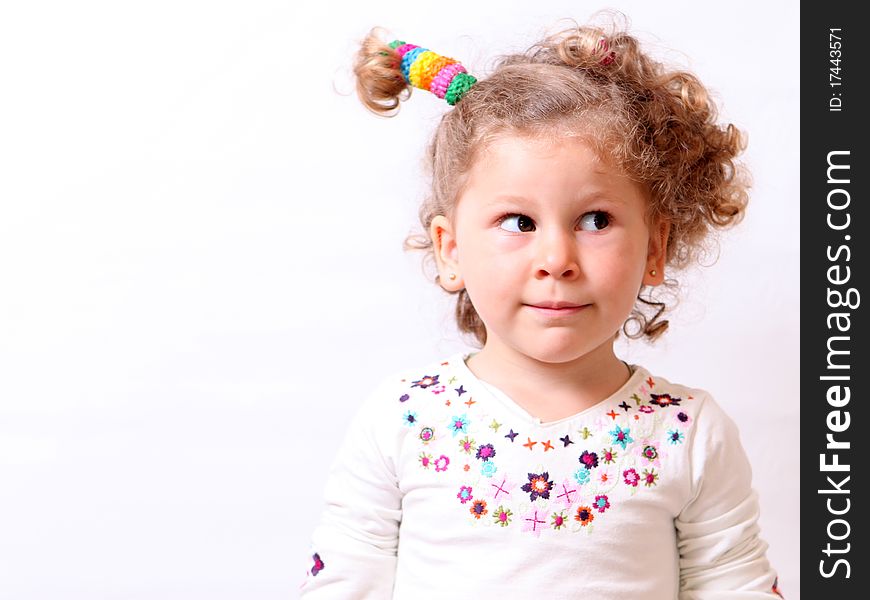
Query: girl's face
[548, 224]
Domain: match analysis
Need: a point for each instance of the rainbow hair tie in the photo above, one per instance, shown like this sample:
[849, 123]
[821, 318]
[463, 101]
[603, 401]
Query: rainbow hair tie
[424, 69]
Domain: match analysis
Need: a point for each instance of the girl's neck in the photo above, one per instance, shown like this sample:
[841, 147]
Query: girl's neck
[551, 391]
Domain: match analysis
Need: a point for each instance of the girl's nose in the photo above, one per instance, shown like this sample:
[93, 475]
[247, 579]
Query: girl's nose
[557, 255]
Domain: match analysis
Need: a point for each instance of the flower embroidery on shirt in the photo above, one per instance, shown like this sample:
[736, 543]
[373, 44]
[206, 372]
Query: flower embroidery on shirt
[621, 436]
[502, 516]
[664, 400]
[631, 446]
[601, 503]
[478, 509]
[425, 381]
[485, 452]
[318, 564]
[539, 486]
[584, 515]
[589, 459]
[631, 477]
[459, 424]
[441, 463]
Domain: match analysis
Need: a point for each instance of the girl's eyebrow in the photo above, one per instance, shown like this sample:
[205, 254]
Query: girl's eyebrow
[598, 196]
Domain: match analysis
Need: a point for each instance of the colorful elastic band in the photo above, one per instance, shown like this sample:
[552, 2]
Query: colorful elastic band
[442, 76]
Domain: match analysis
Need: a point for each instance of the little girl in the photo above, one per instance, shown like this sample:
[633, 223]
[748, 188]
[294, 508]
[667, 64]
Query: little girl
[564, 185]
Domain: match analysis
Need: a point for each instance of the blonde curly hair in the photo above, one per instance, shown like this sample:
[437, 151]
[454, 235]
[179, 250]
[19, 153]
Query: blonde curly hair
[658, 125]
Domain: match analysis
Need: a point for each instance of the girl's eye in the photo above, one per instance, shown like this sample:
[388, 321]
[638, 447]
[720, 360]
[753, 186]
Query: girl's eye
[595, 220]
[517, 223]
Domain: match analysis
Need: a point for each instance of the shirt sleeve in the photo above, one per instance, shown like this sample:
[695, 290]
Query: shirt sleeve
[353, 549]
[722, 556]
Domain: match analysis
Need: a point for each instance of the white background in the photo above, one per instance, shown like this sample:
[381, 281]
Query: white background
[201, 273]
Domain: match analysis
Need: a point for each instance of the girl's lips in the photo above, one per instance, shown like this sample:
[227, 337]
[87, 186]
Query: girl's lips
[567, 310]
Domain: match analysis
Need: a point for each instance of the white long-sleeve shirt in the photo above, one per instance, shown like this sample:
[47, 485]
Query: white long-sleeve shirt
[446, 488]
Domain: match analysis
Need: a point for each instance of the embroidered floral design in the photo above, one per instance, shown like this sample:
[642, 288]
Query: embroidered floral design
[404, 398]
[630, 477]
[621, 436]
[676, 437]
[608, 455]
[425, 460]
[539, 486]
[464, 494]
[458, 424]
[649, 477]
[650, 453]
[589, 459]
[664, 400]
[775, 589]
[683, 418]
[409, 418]
[426, 434]
[584, 515]
[488, 469]
[604, 476]
[438, 390]
[646, 409]
[485, 452]
[478, 508]
[425, 381]
[318, 564]
[466, 445]
[581, 475]
[441, 463]
[559, 520]
[601, 503]
[502, 516]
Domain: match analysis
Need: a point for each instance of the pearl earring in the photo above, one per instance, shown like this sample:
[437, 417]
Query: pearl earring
[652, 272]
[452, 276]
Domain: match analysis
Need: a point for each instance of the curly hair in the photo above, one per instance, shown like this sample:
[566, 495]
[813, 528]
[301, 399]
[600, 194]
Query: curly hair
[657, 124]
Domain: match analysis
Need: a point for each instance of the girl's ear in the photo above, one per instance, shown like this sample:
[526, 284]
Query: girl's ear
[657, 254]
[444, 244]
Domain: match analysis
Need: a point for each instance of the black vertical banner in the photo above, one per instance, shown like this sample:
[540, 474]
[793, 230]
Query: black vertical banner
[835, 225]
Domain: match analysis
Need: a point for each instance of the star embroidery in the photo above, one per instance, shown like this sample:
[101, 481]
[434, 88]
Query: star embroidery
[624, 406]
[548, 446]
[529, 444]
[494, 425]
[650, 382]
[447, 402]
[451, 380]
[460, 390]
[511, 435]
[612, 414]
[470, 401]
[636, 399]
[566, 440]
[585, 433]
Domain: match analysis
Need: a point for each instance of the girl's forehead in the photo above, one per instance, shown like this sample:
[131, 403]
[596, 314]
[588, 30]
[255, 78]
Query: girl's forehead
[583, 147]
